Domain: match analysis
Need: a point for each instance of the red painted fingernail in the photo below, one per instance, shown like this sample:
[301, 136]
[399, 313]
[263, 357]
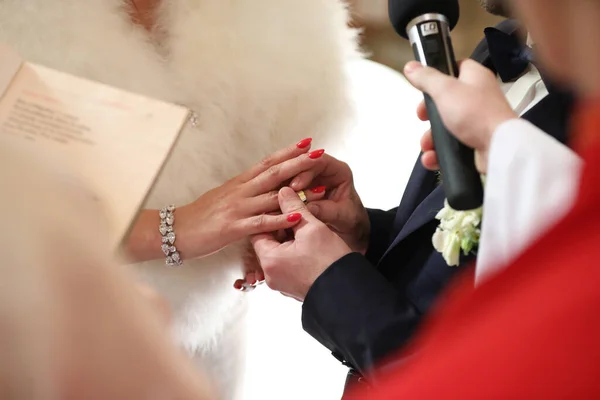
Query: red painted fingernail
[239, 284]
[295, 217]
[316, 154]
[318, 189]
[304, 143]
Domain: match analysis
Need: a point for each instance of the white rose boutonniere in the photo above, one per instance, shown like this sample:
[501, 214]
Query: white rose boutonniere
[458, 230]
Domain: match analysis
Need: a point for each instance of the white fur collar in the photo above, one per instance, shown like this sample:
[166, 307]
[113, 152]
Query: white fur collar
[203, 34]
[261, 73]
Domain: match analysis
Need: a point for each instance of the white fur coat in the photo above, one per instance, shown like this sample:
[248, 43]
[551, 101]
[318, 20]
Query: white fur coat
[261, 74]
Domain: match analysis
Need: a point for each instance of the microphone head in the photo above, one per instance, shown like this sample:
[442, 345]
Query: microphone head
[403, 11]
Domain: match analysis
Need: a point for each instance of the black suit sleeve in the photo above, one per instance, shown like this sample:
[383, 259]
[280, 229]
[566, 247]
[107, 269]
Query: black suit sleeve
[381, 229]
[357, 314]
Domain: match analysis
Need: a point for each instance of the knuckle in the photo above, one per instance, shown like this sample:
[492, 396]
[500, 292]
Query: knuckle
[267, 267]
[317, 230]
[296, 208]
[269, 280]
[445, 86]
[488, 73]
[273, 171]
[478, 67]
[225, 207]
[266, 162]
[273, 196]
[346, 167]
[221, 196]
[259, 221]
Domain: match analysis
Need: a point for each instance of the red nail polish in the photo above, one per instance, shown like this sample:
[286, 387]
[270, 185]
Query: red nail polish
[304, 143]
[239, 284]
[318, 189]
[316, 154]
[295, 217]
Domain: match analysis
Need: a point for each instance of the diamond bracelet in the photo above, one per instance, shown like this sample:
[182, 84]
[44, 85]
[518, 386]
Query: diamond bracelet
[167, 219]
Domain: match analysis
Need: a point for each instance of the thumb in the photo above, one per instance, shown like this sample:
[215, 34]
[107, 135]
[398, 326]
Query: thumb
[290, 202]
[427, 79]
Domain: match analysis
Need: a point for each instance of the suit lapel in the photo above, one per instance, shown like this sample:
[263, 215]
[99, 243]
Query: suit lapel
[552, 115]
[421, 183]
[423, 214]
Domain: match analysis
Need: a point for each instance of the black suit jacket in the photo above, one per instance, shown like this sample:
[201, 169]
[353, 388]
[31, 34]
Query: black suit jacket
[363, 308]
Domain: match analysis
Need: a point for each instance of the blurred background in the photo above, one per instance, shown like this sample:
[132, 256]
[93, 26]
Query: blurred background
[284, 362]
[386, 47]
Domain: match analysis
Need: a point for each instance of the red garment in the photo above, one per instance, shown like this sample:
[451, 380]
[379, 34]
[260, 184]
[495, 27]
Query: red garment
[533, 332]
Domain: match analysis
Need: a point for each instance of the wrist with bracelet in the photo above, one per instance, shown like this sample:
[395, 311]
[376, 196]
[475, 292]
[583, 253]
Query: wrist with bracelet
[166, 229]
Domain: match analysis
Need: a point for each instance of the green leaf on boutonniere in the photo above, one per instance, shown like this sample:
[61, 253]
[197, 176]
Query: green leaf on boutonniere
[458, 230]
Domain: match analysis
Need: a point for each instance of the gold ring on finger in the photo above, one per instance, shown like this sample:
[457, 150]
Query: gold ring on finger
[302, 196]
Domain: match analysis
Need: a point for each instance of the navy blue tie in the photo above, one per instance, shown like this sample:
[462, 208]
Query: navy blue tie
[509, 56]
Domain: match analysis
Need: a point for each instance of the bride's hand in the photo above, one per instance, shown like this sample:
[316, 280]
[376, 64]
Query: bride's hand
[253, 273]
[240, 206]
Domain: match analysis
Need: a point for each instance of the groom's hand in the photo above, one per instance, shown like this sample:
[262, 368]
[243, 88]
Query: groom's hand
[341, 209]
[293, 266]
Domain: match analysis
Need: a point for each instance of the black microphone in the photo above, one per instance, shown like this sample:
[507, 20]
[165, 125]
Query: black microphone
[427, 24]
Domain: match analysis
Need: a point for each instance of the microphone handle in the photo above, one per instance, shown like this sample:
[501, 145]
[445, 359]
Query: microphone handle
[430, 38]
[462, 181]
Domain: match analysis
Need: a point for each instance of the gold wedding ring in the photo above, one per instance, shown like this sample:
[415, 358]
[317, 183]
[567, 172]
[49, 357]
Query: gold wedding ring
[302, 195]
